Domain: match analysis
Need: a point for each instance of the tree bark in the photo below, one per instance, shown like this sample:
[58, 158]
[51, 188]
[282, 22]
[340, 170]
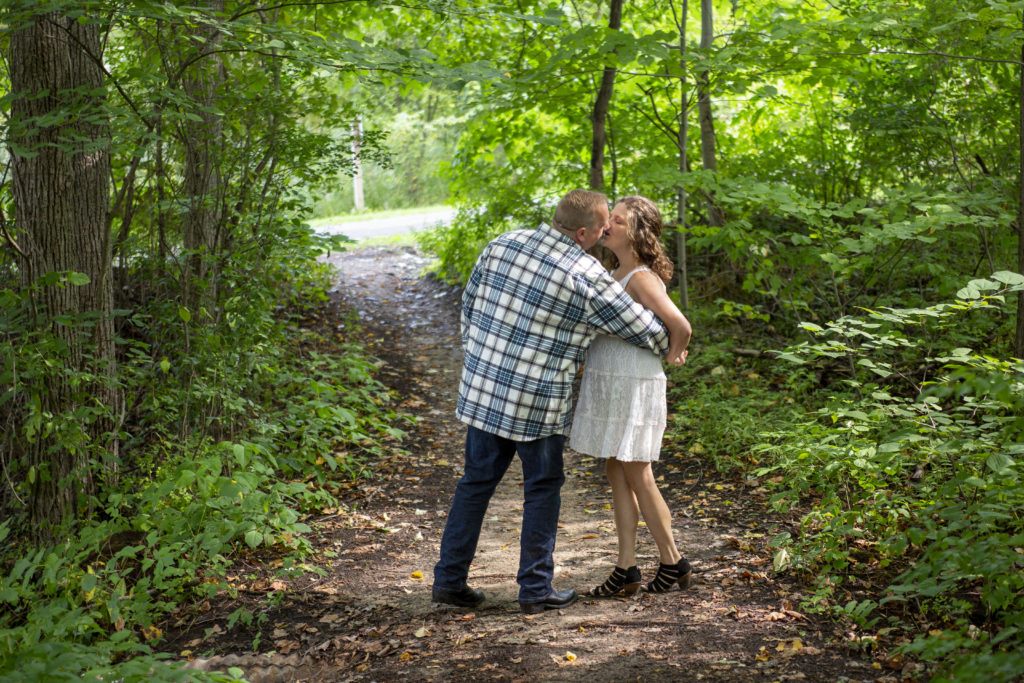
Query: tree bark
[707, 123]
[358, 201]
[61, 190]
[1018, 343]
[684, 128]
[600, 111]
[202, 140]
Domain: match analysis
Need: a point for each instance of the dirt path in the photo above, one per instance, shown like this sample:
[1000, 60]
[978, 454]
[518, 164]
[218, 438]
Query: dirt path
[368, 617]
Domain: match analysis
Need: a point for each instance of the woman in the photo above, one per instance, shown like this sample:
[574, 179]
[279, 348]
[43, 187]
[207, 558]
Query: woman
[620, 415]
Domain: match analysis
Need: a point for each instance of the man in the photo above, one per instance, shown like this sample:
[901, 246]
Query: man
[532, 305]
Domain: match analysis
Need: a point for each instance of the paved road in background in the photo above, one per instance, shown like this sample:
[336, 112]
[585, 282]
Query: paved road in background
[383, 227]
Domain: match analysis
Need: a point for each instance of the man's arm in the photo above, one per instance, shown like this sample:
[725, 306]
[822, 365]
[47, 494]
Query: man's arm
[469, 297]
[614, 312]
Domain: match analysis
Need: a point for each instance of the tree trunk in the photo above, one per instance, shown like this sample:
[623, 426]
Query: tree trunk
[61, 190]
[600, 112]
[1018, 345]
[202, 141]
[358, 201]
[707, 123]
[684, 128]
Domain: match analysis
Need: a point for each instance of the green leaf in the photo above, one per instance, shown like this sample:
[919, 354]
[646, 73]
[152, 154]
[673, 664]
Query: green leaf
[88, 582]
[253, 538]
[239, 452]
[184, 313]
[49, 279]
[983, 285]
[165, 365]
[999, 461]
[968, 292]
[78, 278]
[781, 560]
[1008, 277]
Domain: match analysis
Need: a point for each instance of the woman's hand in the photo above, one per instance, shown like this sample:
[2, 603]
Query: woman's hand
[679, 359]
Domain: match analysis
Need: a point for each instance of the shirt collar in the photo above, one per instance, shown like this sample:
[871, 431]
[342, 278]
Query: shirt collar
[562, 237]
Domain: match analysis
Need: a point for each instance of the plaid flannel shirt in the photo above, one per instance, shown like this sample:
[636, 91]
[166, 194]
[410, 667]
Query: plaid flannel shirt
[534, 302]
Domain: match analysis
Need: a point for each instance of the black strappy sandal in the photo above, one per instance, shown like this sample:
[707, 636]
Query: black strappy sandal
[625, 581]
[669, 574]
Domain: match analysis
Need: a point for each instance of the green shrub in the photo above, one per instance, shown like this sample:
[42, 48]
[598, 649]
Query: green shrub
[916, 474]
[238, 418]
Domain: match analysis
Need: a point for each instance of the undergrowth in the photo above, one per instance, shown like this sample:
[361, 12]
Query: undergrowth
[895, 446]
[907, 484]
[235, 426]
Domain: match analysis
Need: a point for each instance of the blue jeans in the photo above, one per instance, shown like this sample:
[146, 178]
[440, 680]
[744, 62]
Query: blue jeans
[487, 459]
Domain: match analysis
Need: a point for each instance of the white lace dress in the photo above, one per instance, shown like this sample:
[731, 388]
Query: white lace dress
[621, 408]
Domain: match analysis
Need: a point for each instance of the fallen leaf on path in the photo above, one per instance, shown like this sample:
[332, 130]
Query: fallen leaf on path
[422, 632]
[789, 647]
[894, 662]
[416, 576]
[286, 646]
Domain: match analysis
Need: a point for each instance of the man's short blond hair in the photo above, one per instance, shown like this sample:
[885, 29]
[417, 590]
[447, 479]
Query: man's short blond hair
[578, 209]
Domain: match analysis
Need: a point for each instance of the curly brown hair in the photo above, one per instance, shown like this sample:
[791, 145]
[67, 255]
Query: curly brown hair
[645, 226]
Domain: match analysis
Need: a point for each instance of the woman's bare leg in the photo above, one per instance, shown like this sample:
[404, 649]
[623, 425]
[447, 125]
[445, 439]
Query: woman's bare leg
[639, 478]
[626, 510]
